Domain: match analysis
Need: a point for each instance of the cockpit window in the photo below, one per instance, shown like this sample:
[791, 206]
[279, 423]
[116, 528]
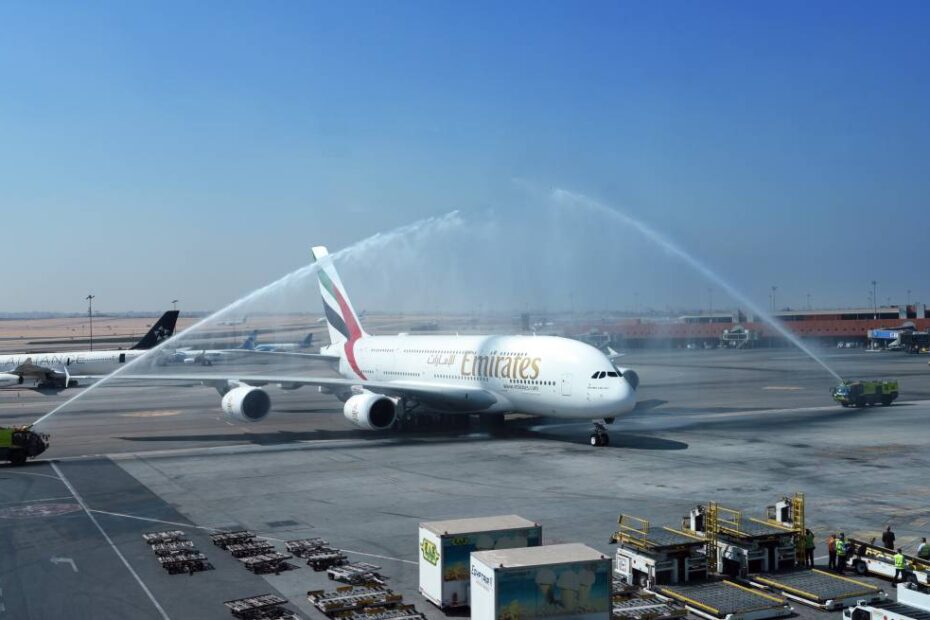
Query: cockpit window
[611, 373]
[602, 375]
[594, 376]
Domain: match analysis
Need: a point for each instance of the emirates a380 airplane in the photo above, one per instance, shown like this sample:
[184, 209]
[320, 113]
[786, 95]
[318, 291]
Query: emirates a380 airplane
[386, 379]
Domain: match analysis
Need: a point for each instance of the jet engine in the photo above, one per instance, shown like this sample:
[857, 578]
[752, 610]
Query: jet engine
[8, 379]
[246, 404]
[373, 412]
[630, 375]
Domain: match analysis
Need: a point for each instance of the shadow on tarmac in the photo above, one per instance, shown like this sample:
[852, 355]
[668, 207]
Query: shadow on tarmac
[523, 428]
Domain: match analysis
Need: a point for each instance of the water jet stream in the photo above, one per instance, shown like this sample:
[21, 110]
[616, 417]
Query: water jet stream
[375, 243]
[567, 198]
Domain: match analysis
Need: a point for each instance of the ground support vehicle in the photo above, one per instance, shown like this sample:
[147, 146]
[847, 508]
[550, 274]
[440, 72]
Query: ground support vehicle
[445, 549]
[865, 392]
[876, 560]
[350, 598]
[267, 563]
[647, 556]
[356, 573]
[19, 443]
[261, 607]
[726, 600]
[224, 539]
[912, 604]
[819, 588]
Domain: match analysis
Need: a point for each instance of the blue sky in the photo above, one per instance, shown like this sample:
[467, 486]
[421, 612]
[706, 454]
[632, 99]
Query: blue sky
[153, 151]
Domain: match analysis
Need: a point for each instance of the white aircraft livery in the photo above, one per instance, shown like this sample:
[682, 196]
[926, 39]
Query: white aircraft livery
[386, 380]
[57, 371]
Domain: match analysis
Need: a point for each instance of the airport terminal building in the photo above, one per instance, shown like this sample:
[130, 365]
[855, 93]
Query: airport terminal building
[880, 327]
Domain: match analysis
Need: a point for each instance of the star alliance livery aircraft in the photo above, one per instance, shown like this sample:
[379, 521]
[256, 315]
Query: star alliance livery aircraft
[57, 371]
[388, 379]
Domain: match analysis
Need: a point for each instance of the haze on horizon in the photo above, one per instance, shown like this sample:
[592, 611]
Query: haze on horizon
[169, 151]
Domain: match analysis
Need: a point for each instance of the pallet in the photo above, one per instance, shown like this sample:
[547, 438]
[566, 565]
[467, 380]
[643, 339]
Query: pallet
[646, 608]
[355, 573]
[249, 549]
[172, 548]
[154, 538]
[302, 546]
[819, 588]
[325, 558]
[267, 563]
[184, 563]
[401, 612]
[353, 598]
[225, 539]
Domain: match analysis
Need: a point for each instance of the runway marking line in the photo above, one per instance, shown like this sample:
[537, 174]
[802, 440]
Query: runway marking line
[119, 554]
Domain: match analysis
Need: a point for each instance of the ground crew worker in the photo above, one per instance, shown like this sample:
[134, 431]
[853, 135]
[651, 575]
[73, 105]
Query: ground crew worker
[888, 538]
[842, 548]
[923, 549]
[900, 567]
[831, 550]
[809, 548]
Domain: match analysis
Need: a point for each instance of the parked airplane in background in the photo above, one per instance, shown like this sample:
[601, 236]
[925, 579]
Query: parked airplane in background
[208, 357]
[234, 322]
[285, 347]
[387, 380]
[57, 371]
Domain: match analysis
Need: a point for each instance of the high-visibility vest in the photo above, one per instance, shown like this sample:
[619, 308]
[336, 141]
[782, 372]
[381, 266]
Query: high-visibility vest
[923, 551]
[899, 561]
[840, 546]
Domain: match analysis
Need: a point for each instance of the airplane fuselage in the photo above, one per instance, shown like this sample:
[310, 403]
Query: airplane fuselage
[541, 375]
[75, 362]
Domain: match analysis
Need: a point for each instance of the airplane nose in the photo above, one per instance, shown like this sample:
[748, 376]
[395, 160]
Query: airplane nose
[626, 396]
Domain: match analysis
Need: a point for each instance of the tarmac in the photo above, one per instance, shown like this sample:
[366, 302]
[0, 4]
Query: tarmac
[742, 428]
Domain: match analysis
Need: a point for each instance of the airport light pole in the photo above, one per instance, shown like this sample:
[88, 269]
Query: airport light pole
[174, 304]
[90, 318]
[874, 301]
[774, 290]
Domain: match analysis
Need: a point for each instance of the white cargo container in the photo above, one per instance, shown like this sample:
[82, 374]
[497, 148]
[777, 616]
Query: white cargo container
[445, 547]
[555, 582]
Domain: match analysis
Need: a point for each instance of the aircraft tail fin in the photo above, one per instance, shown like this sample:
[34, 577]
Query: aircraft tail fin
[307, 342]
[161, 330]
[341, 318]
[249, 343]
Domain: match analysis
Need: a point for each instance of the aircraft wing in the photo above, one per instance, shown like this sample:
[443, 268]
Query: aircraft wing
[451, 398]
[321, 357]
[613, 356]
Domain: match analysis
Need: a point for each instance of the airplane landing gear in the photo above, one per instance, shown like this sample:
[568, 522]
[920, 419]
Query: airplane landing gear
[600, 437]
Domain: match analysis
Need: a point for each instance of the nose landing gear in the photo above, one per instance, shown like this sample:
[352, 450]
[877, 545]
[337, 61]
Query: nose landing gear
[600, 437]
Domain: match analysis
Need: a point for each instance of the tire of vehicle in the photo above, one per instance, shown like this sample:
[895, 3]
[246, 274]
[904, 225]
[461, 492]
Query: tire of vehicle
[886, 400]
[860, 402]
[861, 568]
[17, 457]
